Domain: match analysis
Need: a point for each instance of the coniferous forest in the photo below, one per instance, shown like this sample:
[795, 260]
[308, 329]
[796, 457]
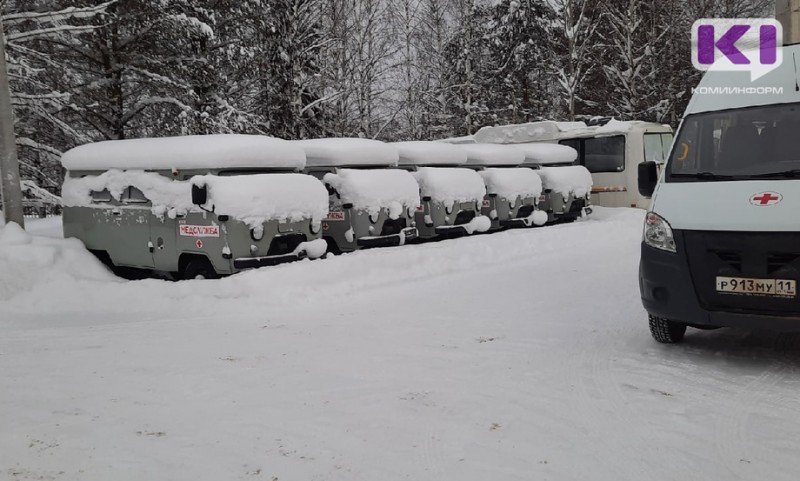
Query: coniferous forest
[85, 70]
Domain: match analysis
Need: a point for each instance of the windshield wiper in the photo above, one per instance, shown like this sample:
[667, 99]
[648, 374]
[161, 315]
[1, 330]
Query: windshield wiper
[705, 176]
[786, 173]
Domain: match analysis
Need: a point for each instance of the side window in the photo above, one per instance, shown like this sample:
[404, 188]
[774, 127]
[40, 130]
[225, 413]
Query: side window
[132, 195]
[101, 196]
[684, 158]
[604, 154]
[656, 146]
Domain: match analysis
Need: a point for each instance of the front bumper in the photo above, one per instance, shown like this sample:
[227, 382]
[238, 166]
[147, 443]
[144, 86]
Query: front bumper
[451, 231]
[393, 240]
[514, 223]
[668, 290]
[243, 263]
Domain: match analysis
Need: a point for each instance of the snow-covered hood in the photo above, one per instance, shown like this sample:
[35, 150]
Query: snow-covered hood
[511, 183]
[449, 185]
[730, 206]
[375, 189]
[573, 179]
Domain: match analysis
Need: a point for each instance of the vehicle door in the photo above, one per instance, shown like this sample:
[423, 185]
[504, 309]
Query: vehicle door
[163, 239]
[130, 238]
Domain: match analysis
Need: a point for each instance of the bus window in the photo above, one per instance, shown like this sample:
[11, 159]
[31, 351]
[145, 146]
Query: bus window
[604, 154]
[656, 146]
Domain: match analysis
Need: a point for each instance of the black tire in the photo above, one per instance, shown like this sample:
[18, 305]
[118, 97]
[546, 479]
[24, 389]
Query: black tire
[199, 269]
[666, 331]
[103, 257]
[333, 248]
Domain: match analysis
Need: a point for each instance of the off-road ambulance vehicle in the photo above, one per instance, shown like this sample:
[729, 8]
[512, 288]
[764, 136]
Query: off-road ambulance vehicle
[567, 187]
[722, 239]
[197, 206]
[372, 204]
[611, 150]
[512, 192]
[451, 195]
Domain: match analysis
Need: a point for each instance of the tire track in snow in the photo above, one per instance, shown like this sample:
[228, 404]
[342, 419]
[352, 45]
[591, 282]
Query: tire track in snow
[757, 397]
[731, 440]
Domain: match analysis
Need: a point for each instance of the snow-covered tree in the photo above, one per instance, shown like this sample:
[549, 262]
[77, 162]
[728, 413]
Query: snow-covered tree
[577, 24]
[520, 39]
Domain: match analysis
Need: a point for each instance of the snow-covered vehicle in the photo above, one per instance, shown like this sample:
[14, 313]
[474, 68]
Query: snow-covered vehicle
[721, 244]
[611, 150]
[512, 192]
[452, 196]
[567, 187]
[372, 204]
[197, 206]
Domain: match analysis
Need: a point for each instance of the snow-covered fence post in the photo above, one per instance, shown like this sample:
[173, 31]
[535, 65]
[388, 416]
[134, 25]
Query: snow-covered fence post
[9, 164]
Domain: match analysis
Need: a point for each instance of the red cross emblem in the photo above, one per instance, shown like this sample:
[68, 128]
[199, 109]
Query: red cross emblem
[199, 244]
[766, 198]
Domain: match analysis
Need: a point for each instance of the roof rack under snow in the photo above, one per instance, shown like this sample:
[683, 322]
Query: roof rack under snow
[493, 155]
[348, 152]
[430, 153]
[189, 152]
[548, 131]
[547, 154]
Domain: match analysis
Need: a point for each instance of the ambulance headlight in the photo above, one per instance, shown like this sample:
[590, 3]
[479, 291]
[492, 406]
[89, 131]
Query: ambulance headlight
[448, 209]
[658, 233]
[315, 226]
[374, 216]
[410, 211]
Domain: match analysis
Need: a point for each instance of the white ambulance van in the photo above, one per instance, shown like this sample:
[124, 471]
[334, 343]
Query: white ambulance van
[721, 242]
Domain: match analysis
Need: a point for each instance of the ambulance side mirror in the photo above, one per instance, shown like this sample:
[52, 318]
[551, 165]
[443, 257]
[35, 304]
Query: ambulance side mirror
[648, 178]
[199, 195]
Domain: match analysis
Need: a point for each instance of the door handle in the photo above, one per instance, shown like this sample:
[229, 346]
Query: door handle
[116, 212]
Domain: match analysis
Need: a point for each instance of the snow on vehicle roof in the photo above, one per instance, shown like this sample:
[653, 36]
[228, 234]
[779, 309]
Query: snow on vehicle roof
[375, 189]
[348, 152]
[575, 179]
[492, 154]
[512, 183]
[189, 152]
[252, 199]
[550, 131]
[448, 185]
[530, 132]
[544, 153]
[467, 139]
[430, 153]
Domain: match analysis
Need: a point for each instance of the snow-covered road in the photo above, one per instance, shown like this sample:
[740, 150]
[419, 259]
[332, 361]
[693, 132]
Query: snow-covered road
[522, 355]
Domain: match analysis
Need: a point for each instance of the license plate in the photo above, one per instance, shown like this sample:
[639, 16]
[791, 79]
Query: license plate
[757, 287]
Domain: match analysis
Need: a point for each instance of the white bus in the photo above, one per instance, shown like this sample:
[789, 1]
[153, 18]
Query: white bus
[610, 149]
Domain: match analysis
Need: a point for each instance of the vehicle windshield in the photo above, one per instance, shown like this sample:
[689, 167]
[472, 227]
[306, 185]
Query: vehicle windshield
[741, 144]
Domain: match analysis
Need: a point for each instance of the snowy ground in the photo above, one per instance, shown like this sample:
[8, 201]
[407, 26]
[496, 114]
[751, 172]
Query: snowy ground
[513, 356]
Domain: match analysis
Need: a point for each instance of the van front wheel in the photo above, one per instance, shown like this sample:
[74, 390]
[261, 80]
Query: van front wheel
[199, 269]
[666, 331]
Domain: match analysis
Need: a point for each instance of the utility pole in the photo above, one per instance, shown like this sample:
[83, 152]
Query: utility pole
[9, 163]
[788, 13]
